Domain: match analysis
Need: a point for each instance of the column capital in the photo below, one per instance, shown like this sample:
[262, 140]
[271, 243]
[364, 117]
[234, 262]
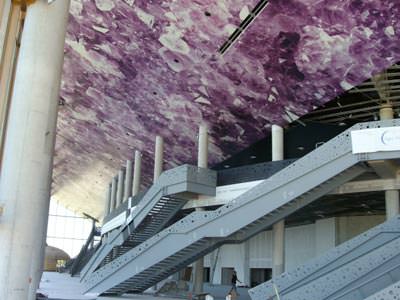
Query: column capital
[23, 2]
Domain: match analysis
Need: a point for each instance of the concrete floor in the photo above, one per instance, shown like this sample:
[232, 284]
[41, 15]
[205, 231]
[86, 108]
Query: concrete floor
[60, 286]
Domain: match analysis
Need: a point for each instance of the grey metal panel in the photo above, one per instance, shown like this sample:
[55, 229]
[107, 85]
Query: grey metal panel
[373, 281]
[124, 207]
[392, 292]
[334, 259]
[251, 172]
[335, 284]
[288, 190]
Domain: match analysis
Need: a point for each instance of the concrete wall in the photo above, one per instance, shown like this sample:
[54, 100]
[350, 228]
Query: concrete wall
[302, 243]
[349, 227]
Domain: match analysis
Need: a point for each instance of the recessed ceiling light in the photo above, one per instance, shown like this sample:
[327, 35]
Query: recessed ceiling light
[301, 148]
[226, 166]
[253, 156]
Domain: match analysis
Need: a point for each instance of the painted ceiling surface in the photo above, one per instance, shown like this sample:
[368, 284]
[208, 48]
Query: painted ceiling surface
[137, 68]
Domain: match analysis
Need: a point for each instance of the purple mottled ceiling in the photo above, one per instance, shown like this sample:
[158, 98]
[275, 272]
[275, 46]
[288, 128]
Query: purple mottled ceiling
[135, 69]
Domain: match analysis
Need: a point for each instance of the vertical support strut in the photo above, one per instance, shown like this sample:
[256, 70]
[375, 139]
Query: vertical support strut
[278, 229]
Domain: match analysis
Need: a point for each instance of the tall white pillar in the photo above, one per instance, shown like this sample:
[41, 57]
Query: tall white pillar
[386, 112]
[158, 157]
[107, 206]
[202, 155]
[28, 153]
[278, 258]
[392, 203]
[39, 251]
[158, 161]
[128, 180]
[246, 263]
[5, 11]
[137, 173]
[277, 143]
[202, 162]
[10, 28]
[114, 183]
[391, 196]
[278, 228]
[120, 186]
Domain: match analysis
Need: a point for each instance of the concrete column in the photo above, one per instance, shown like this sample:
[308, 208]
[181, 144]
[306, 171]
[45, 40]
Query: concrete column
[391, 196]
[29, 145]
[158, 163]
[114, 184]
[392, 203]
[137, 173]
[386, 112]
[202, 162]
[120, 187]
[5, 10]
[128, 180]
[246, 263]
[39, 251]
[278, 229]
[198, 271]
[107, 206]
[9, 34]
[277, 143]
[278, 259]
[158, 157]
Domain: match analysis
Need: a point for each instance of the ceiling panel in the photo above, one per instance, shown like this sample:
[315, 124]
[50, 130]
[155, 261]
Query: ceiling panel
[135, 69]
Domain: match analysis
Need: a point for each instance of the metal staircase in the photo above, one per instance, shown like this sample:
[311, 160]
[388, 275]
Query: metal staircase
[158, 216]
[354, 270]
[153, 212]
[86, 252]
[307, 179]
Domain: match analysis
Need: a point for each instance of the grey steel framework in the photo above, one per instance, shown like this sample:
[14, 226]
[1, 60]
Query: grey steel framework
[307, 179]
[354, 270]
[252, 172]
[390, 293]
[86, 252]
[154, 210]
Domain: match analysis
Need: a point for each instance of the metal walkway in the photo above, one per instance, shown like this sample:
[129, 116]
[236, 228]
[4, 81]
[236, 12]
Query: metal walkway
[354, 270]
[302, 182]
[161, 202]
